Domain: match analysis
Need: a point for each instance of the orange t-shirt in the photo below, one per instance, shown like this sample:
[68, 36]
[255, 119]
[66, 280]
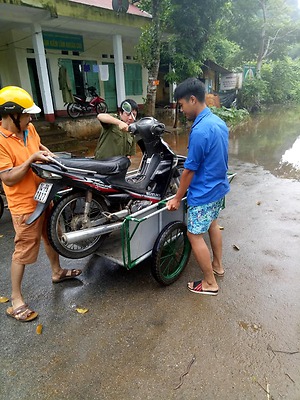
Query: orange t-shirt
[14, 152]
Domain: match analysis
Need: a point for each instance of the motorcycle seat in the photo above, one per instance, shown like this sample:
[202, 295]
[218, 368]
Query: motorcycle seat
[109, 166]
[141, 184]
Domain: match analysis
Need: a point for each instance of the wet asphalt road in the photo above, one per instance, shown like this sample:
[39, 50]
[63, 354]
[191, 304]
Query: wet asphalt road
[138, 338]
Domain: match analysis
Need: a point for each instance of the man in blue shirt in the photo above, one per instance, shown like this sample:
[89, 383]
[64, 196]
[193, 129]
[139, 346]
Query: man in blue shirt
[205, 178]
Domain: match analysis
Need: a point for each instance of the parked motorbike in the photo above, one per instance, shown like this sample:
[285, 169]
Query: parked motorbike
[96, 196]
[84, 106]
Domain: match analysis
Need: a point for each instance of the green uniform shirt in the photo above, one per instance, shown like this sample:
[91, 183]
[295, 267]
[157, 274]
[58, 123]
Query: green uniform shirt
[114, 142]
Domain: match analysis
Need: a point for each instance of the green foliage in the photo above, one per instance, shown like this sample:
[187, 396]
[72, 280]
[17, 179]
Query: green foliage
[253, 94]
[222, 51]
[232, 116]
[279, 84]
[263, 29]
[232, 33]
[283, 81]
[192, 24]
[148, 49]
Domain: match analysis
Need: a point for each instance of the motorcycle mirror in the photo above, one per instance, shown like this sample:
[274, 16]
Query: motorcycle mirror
[126, 107]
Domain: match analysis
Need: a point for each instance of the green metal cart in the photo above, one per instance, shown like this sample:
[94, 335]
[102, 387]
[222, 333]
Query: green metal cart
[152, 232]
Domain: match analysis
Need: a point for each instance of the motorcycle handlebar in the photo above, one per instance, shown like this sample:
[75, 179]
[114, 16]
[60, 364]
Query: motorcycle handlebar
[156, 128]
[132, 128]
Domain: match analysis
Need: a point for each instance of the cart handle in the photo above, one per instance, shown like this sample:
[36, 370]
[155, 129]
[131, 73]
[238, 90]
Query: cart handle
[230, 176]
[161, 203]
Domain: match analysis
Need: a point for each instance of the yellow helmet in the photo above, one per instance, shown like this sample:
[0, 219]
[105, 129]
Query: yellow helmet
[15, 100]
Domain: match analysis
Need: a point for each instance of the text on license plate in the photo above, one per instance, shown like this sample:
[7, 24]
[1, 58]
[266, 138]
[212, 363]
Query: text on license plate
[42, 192]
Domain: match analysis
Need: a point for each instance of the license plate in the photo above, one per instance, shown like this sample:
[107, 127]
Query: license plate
[42, 192]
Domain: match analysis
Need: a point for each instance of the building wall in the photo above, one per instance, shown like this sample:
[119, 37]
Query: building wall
[96, 25]
[16, 71]
[9, 68]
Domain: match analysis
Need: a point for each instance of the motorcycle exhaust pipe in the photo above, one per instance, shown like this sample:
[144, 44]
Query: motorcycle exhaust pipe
[83, 234]
[77, 107]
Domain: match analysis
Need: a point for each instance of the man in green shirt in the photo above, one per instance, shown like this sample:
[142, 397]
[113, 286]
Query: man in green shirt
[115, 140]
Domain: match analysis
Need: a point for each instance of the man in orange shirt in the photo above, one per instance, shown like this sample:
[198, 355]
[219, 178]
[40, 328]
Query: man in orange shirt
[19, 147]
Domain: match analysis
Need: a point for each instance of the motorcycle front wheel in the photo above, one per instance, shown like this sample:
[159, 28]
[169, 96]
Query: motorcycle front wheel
[101, 107]
[68, 216]
[73, 110]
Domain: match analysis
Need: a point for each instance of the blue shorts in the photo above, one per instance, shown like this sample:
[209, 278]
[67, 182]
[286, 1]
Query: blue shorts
[201, 217]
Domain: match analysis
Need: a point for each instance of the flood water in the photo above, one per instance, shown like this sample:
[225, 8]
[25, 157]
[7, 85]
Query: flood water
[270, 139]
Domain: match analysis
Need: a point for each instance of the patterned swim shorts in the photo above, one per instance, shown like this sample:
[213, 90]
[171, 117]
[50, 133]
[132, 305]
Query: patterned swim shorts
[201, 217]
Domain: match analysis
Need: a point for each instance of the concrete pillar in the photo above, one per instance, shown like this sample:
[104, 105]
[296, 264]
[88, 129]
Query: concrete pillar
[41, 63]
[119, 68]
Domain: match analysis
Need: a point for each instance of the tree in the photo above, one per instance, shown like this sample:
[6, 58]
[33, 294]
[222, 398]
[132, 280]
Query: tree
[192, 24]
[264, 29]
[181, 29]
[149, 47]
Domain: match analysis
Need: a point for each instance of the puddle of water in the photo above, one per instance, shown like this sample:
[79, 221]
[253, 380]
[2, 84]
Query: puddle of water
[271, 140]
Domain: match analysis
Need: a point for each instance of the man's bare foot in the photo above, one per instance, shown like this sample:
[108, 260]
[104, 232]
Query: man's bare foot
[218, 271]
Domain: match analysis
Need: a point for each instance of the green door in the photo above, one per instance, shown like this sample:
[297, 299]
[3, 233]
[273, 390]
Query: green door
[110, 89]
[69, 67]
[92, 75]
[34, 80]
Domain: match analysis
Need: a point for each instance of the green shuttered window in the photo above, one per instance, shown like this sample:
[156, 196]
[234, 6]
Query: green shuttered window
[133, 79]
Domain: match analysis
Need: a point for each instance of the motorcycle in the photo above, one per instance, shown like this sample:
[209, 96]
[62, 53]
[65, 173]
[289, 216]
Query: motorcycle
[92, 198]
[82, 105]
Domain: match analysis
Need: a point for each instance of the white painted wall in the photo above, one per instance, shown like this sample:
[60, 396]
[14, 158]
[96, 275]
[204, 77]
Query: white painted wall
[15, 72]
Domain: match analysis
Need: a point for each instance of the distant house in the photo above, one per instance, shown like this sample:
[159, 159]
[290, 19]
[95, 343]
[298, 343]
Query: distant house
[211, 77]
[221, 84]
[94, 43]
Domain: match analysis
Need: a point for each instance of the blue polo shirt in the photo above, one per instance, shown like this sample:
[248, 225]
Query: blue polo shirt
[208, 157]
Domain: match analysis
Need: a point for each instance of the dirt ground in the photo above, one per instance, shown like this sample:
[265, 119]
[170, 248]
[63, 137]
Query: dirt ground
[139, 338]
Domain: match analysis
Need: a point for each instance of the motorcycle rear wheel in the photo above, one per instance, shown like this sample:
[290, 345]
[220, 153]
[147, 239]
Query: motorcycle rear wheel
[101, 107]
[67, 216]
[73, 110]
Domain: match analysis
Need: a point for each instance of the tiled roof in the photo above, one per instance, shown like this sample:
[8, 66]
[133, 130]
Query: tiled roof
[107, 4]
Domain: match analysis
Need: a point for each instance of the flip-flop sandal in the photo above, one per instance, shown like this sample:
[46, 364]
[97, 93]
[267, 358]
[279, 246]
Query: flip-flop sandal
[63, 276]
[197, 288]
[218, 273]
[22, 313]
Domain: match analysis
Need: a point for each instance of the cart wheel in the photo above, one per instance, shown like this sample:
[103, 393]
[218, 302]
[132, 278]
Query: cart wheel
[171, 253]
